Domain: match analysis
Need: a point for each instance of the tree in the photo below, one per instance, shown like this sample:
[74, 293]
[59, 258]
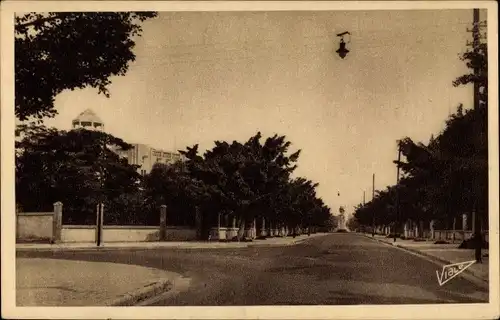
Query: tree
[439, 178]
[476, 59]
[244, 181]
[243, 177]
[56, 51]
[173, 186]
[353, 224]
[78, 168]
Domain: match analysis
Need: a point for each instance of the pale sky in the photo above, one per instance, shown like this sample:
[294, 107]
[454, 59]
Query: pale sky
[208, 76]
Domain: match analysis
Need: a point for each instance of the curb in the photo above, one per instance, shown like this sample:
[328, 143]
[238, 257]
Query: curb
[478, 280]
[93, 249]
[144, 247]
[147, 292]
[295, 242]
[276, 244]
[135, 247]
[113, 248]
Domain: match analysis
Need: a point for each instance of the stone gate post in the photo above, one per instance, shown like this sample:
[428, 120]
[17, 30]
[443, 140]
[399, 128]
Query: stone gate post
[163, 223]
[57, 222]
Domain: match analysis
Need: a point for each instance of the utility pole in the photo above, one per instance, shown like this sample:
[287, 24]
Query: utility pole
[397, 192]
[475, 212]
[364, 198]
[373, 211]
[101, 198]
[100, 213]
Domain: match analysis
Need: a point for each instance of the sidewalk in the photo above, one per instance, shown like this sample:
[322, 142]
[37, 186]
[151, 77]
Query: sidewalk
[444, 253]
[270, 242]
[50, 282]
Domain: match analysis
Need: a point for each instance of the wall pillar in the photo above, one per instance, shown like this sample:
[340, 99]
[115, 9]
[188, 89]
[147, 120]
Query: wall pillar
[163, 222]
[57, 222]
[99, 224]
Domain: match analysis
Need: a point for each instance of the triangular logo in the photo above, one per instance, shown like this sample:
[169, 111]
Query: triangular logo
[450, 271]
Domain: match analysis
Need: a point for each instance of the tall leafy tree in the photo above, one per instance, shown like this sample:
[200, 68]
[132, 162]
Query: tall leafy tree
[172, 185]
[78, 168]
[56, 51]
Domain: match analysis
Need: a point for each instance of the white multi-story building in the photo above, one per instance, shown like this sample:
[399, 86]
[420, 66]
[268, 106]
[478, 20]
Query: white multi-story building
[146, 157]
[140, 154]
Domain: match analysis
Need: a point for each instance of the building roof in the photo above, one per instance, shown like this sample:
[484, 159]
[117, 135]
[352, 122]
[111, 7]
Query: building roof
[88, 116]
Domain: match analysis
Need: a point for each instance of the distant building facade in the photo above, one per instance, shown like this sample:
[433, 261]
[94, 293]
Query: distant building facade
[140, 154]
[146, 157]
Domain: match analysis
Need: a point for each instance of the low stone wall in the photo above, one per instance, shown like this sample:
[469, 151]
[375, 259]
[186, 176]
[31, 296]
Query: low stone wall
[70, 233]
[130, 234]
[179, 233]
[39, 226]
[74, 233]
[453, 234]
[34, 226]
[447, 235]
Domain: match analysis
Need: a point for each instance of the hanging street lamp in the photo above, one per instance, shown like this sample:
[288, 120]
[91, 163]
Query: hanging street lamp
[342, 51]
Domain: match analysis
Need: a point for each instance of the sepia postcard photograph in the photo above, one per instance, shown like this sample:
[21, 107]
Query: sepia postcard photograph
[249, 160]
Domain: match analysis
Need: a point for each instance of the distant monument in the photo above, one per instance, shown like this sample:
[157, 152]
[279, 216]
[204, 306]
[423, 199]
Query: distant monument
[342, 222]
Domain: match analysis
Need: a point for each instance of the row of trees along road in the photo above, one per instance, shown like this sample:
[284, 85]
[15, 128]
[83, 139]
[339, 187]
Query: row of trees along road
[446, 177]
[80, 168]
[242, 181]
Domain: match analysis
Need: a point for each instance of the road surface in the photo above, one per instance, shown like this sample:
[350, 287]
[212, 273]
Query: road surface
[337, 269]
